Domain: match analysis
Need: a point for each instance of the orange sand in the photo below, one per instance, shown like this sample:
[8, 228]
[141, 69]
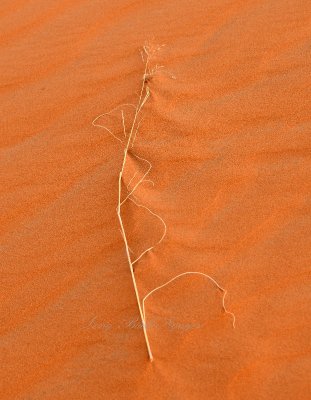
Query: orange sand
[229, 140]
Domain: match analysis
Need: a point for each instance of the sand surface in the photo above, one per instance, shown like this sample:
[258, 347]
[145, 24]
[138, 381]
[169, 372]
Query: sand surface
[229, 141]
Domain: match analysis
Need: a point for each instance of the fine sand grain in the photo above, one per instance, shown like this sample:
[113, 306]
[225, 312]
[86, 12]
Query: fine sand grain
[227, 129]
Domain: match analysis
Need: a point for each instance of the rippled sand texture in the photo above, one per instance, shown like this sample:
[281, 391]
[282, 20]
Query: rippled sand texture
[229, 140]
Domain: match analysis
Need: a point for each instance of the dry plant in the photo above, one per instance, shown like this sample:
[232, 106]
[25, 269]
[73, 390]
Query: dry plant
[127, 142]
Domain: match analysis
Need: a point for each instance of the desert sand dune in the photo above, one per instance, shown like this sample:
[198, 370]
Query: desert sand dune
[227, 130]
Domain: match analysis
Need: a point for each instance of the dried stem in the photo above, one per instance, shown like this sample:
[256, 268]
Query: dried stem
[140, 103]
[224, 291]
[128, 141]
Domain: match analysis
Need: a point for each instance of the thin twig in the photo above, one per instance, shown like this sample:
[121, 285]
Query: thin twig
[164, 230]
[108, 113]
[137, 110]
[141, 179]
[123, 123]
[130, 139]
[130, 181]
[192, 273]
